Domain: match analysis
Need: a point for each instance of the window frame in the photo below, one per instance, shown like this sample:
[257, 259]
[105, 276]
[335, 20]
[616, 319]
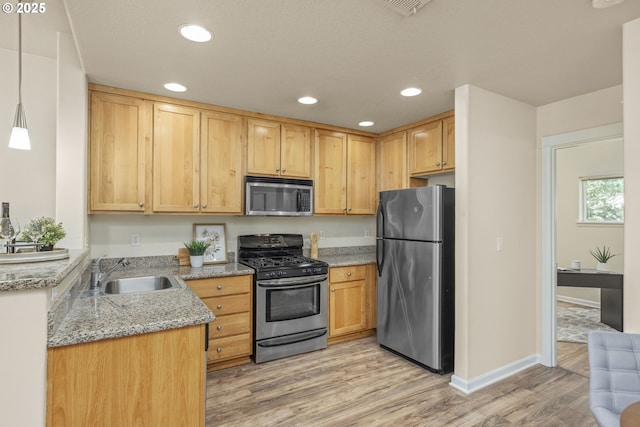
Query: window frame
[582, 200]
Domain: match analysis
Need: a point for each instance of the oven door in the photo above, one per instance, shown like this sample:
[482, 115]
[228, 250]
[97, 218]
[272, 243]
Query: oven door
[290, 305]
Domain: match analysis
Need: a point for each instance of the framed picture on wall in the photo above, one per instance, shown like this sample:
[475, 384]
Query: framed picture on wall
[216, 236]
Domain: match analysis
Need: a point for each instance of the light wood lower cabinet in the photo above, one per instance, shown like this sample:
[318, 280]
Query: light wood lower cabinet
[230, 334]
[352, 302]
[154, 379]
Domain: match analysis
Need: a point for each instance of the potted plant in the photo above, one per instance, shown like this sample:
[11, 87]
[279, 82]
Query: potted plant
[43, 231]
[196, 249]
[602, 256]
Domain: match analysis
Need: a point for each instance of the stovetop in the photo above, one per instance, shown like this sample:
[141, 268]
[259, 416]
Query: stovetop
[277, 255]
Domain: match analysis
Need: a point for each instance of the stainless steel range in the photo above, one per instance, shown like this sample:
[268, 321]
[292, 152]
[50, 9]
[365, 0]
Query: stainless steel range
[290, 296]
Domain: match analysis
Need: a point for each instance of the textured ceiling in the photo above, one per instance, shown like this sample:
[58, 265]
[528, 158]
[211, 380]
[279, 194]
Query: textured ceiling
[353, 55]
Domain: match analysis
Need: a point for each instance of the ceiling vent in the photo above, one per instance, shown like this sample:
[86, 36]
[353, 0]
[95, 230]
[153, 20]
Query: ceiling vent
[406, 7]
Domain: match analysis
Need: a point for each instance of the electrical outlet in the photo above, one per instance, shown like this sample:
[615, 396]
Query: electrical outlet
[135, 239]
[499, 244]
[323, 234]
[367, 233]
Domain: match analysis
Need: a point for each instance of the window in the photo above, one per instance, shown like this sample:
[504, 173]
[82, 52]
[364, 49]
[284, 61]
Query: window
[602, 200]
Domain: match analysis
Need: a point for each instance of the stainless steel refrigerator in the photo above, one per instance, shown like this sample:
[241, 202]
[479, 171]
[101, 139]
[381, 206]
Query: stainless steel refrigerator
[416, 275]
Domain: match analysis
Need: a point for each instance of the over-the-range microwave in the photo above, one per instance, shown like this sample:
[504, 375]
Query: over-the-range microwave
[278, 196]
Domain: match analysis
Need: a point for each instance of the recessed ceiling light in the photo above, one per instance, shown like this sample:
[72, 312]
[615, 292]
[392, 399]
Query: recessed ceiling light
[307, 100]
[365, 123]
[175, 87]
[195, 33]
[411, 91]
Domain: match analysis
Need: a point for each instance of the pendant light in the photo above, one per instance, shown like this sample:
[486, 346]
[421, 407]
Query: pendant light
[19, 134]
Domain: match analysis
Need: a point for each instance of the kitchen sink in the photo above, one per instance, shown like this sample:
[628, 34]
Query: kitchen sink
[140, 284]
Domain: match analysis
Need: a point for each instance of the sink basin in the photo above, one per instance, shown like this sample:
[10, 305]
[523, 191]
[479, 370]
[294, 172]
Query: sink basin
[140, 284]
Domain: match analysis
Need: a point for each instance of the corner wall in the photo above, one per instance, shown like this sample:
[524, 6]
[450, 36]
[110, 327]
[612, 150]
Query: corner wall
[496, 235]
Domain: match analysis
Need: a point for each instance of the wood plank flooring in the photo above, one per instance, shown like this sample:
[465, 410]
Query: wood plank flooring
[357, 383]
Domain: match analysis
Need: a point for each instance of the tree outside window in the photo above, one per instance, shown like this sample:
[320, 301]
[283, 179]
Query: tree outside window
[602, 200]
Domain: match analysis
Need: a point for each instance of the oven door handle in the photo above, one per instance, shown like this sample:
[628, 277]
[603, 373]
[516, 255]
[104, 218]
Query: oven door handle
[306, 336]
[291, 283]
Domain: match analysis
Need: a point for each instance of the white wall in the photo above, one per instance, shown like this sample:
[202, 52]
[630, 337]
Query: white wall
[496, 313]
[631, 81]
[165, 234]
[26, 177]
[574, 240]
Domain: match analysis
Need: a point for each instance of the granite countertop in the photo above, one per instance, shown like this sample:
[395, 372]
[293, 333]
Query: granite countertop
[36, 275]
[347, 260]
[91, 318]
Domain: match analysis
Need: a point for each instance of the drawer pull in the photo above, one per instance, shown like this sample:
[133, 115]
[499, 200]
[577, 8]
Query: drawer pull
[219, 349]
[219, 287]
[219, 306]
[349, 274]
[219, 327]
[333, 289]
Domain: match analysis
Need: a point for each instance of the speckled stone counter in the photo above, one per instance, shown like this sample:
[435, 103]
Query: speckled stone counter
[92, 318]
[342, 257]
[36, 275]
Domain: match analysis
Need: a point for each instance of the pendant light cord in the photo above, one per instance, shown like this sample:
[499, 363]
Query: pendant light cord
[20, 57]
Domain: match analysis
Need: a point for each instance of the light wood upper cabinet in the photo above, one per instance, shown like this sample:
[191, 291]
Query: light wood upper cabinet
[119, 153]
[278, 149]
[431, 147]
[221, 151]
[176, 158]
[392, 162]
[344, 181]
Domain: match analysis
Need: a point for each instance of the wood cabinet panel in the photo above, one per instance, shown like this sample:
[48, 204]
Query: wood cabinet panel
[347, 307]
[343, 274]
[448, 144]
[295, 151]
[176, 158]
[154, 379]
[229, 347]
[220, 286]
[232, 324]
[119, 153]
[361, 179]
[221, 150]
[263, 148]
[330, 181]
[392, 162]
[228, 304]
[425, 148]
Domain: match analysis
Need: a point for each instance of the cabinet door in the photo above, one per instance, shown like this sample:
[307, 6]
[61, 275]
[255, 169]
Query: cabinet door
[425, 148]
[347, 307]
[448, 144]
[330, 177]
[263, 148]
[221, 147]
[118, 148]
[392, 162]
[176, 158]
[361, 179]
[295, 151]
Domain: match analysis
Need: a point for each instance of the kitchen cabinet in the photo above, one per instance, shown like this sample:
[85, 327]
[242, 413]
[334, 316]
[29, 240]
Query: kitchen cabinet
[431, 147]
[278, 149]
[344, 182]
[154, 379]
[352, 302]
[392, 162]
[230, 334]
[119, 153]
[197, 160]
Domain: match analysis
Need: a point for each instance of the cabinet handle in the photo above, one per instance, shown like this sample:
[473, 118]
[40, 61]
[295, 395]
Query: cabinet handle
[349, 209]
[444, 163]
[204, 206]
[349, 274]
[278, 170]
[219, 287]
[219, 307]
[141, 204]
[219, 349]
[333, 289]
[219, 327]
[438, 164]
[284, 169]
[195, 205]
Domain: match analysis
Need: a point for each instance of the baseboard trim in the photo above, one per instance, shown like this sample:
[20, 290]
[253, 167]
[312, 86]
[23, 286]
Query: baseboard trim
[579, 301]
[475, 384]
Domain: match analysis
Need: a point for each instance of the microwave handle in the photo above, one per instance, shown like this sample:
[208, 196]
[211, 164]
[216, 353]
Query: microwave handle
[298, 201]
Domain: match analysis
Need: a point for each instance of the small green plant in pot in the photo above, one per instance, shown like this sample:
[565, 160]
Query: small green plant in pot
[196, 249]
[602, 256]
[44, 231]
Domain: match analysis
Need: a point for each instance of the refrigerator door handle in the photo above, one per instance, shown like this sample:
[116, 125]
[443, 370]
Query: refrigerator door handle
[380, 220]
[379, 255]
[380, 238]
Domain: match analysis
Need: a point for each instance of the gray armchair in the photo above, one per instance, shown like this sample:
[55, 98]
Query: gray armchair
[614, 384]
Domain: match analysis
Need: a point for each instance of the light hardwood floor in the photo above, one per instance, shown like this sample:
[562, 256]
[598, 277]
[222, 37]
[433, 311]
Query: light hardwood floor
[357, 383]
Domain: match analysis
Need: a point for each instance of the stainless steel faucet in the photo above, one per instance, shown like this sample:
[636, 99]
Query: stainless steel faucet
[97, 277]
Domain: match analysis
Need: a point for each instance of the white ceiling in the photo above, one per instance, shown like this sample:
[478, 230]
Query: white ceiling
[353, 55]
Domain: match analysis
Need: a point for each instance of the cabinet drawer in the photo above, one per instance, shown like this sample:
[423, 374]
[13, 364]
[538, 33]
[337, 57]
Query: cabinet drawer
[218, 286]
[232, 324]
[228, 304]
[228, 347]
[343, 274]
